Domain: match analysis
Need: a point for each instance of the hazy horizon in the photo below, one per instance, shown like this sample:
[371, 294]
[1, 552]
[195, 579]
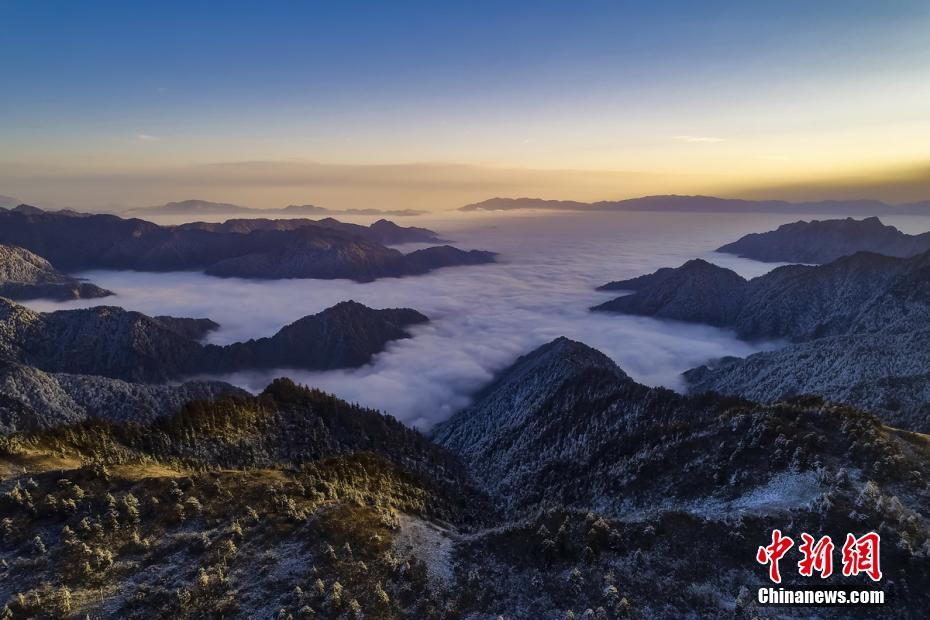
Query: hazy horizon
[425, 187]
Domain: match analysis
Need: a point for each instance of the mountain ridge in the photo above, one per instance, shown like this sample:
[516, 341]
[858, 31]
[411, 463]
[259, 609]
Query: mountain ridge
[701, 204]
[24, 275]
[382, 231]
[120, 344]
[75, 241]
[854, 330]
[206, 207]
[861, 293]
[53, 399]
[826, 241]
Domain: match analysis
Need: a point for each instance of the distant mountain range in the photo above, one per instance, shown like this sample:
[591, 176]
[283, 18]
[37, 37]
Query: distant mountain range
[704, 204]
[195, 208]
[120, 344]
[258, 249]
[828, 240]
[382, 231]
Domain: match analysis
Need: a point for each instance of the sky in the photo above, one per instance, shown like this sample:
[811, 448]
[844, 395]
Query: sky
[431, 105]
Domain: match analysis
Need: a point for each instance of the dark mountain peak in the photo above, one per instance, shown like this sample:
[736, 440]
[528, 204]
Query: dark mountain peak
[695, 289]
[543, 370]
[563, 426]
[867, 258]
[564, 354]
[382, 232]
[389, 232]
[701, 265]
[860, 293]
[343, 336]
[552, 364]
[823, 241]
[352, 309]
[117, 343]
[692, 268]
[27, 209]
[843, 224]
[427, 259]
[552, 387]
[347, 305]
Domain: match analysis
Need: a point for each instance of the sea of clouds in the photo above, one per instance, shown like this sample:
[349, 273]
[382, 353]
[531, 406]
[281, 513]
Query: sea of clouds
[482, 317]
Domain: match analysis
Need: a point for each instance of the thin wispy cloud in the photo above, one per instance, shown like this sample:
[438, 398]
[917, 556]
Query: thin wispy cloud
[698, 139]
[147, 137]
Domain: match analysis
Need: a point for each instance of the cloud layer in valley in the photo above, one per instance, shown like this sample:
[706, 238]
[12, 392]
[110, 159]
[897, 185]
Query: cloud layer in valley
[482, 318]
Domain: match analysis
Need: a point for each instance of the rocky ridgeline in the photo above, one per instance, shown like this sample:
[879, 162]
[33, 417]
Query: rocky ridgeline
[827, 240]
[51, 399]
[120, 344]
[23, 276]
[382, 231]
[863, 293]
[566, 427]
[858, 328]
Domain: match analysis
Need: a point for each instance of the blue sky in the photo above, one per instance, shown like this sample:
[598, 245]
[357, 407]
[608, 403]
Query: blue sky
[665, 88]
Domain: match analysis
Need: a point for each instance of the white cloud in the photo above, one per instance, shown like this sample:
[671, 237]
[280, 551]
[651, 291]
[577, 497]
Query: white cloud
[482, 318]
[146, 137]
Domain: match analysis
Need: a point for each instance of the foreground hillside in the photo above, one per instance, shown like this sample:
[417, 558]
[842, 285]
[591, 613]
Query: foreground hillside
[242, 506]
[566, 490]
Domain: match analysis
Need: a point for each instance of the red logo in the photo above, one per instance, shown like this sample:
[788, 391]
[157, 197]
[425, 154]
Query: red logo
[817, 557]
[773, 553]
[860, 555]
